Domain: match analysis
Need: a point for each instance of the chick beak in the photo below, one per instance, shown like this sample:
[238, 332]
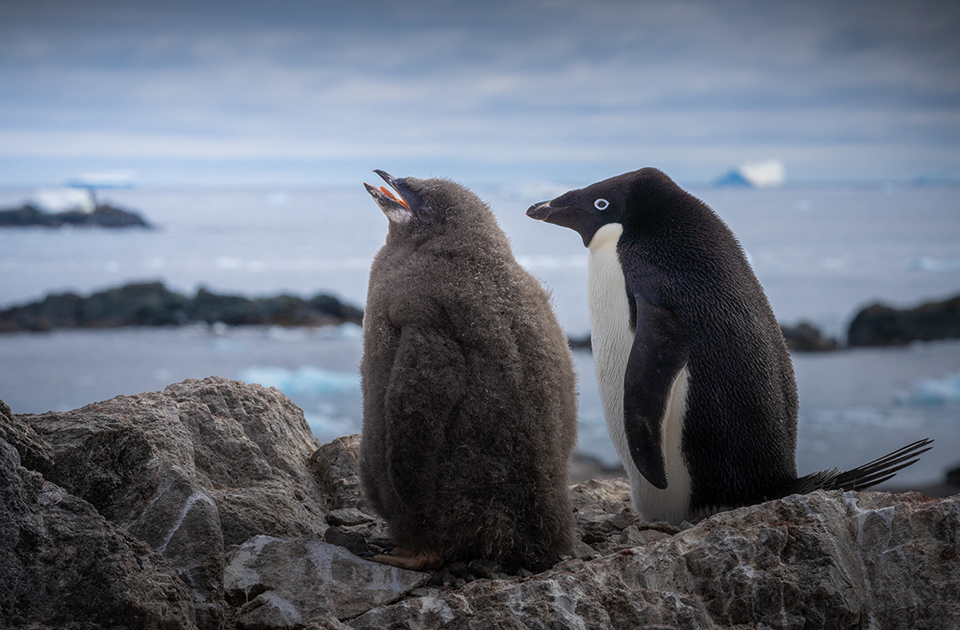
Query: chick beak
[389, 198]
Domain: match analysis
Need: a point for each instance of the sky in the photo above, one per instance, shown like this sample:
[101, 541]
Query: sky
[317, 92]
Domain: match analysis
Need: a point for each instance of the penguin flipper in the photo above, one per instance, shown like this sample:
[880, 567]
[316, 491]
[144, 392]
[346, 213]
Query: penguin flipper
[426, 383]
[658, 354]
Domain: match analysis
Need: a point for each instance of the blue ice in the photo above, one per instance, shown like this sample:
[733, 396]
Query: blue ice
[932, 392]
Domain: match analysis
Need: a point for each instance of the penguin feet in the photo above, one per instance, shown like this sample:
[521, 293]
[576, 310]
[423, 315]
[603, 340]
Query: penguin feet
[423, 560]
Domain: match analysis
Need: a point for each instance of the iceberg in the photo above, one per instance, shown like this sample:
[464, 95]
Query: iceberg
[63, 199]
[769, 174]
[928, 263]
[306, 380]
[932, 392]
[119, 179]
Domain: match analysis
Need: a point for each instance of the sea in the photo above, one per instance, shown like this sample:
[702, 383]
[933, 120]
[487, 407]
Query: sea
[821, 253]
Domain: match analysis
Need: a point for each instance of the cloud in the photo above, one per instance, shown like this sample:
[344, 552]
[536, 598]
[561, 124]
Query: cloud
[537, 82]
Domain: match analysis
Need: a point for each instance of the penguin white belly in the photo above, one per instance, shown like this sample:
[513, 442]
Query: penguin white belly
[612, 341]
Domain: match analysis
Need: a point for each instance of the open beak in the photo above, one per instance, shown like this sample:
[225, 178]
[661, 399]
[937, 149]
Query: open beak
[389, 199]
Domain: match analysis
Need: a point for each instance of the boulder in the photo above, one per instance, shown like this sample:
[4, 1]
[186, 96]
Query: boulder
[189, 470]
[882, 325]
[63, 565]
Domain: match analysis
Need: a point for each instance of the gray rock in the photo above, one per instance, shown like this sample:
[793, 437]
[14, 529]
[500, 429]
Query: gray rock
[287, 583]
[349, 517]
[605, 522]
[835, 560]
[63, 565]
[355, 542]
[337, 467]
[200, 465]
[485, 569]
[34, 452]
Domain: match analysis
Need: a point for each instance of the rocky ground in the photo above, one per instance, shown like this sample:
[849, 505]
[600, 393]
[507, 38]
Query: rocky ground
[210, 505]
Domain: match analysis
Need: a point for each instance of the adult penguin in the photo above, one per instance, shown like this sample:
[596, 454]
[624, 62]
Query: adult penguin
[695, 378]
[469, 393]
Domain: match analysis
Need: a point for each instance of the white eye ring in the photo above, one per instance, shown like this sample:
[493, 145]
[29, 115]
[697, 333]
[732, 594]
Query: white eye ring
[601, 204]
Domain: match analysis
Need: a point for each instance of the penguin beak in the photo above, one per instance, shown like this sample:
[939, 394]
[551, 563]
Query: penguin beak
[398, 201]
[388, 199]
[540, 211]
[566, 216]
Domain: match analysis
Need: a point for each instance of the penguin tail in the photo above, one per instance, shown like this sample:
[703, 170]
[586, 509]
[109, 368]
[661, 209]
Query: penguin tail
[862, 477]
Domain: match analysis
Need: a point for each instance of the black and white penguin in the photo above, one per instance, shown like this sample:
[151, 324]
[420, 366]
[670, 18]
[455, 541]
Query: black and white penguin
[695, 378]
[469, 392]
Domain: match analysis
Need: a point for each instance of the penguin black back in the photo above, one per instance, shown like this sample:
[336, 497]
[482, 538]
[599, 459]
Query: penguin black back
[703, 351]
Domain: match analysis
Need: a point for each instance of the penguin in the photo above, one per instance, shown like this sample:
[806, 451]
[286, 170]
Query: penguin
[696, 382]
[469, 391]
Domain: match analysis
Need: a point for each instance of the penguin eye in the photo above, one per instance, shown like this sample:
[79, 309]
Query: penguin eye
[601, 204]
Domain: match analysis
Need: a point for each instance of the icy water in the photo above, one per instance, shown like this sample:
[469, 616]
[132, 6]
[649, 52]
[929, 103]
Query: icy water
[820, 254]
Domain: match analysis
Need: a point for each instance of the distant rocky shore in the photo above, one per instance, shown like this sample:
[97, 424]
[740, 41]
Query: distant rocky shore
[103, 215]
[152, 304]
[874, 325]
[210, 506]
[882, 325]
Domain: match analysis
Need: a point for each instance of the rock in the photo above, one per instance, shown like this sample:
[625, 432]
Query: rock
[276, 582]
[881, 325]
[953, 476]
[203, 505]
[804, 337]
[104, 215]
[63, 565]
[34, 452]
[821, 560]
[349, 517]
[152, 304]
[485, 569]
[354, 542]
[605, 522]
[337, 465]
[188, 470]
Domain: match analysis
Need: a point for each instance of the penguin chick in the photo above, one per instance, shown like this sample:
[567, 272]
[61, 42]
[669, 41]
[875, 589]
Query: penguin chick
[469, 393]
[695, 378]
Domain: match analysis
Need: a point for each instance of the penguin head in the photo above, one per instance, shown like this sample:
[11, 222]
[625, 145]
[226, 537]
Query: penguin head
[627, 199]
[429, 207]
